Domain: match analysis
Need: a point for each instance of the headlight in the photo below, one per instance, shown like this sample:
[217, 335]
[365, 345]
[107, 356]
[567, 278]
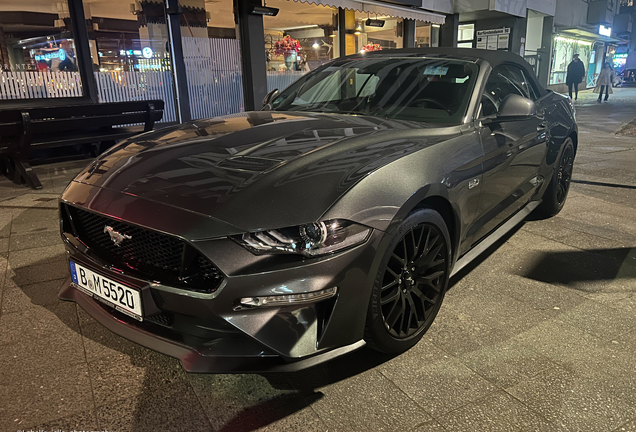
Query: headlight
[312, 239]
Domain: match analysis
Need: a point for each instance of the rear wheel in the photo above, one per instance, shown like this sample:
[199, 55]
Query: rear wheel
[410, 285]
[557, 192]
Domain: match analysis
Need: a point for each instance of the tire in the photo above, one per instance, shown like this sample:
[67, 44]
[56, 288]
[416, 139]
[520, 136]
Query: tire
[556, 194]
[406, 299]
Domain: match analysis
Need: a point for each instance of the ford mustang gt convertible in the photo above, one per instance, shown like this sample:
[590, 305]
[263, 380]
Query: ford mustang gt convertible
[331, 219]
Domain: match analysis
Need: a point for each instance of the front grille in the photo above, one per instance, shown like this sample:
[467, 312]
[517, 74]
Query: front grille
[145, 253]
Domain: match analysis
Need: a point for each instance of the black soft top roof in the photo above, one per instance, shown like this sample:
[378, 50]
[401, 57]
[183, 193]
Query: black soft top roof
[494, 58]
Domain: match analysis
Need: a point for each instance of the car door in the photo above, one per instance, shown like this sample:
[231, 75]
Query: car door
[514, 150]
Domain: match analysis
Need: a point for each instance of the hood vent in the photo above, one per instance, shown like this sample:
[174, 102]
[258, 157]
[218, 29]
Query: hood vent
[249, 163]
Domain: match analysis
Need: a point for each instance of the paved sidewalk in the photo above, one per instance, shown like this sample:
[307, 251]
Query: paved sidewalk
[540, 334]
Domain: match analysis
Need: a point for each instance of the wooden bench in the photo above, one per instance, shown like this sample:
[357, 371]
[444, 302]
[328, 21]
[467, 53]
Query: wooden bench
[23, 130]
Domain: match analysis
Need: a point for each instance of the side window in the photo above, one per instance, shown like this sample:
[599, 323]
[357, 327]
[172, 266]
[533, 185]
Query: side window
[534, 94]
[503, 81]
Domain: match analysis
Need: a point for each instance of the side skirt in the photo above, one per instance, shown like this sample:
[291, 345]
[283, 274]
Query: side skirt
[494, 236]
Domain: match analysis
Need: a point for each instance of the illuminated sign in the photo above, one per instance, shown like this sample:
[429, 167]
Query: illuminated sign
[146, 53]
[59, 54]
[130, 53]
[604, 31]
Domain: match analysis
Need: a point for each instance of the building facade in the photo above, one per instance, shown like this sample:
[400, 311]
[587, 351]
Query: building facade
[520, 26]
[203, 58]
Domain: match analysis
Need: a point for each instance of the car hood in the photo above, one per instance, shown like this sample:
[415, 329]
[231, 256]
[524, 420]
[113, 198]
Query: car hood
[257, 170]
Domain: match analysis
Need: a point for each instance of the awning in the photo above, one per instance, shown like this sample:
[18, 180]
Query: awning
[379, 8]
[577, 32]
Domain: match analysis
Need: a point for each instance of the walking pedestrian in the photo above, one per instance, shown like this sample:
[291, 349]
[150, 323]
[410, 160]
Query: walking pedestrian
[604, 82]
[575, 74]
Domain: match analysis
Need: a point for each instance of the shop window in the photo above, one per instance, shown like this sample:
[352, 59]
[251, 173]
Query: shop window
[300, 38]
[376, 38]
[37, 51]
[426, 34]
[130, 51]
[212, 58]
[465, 35]
[563, 53]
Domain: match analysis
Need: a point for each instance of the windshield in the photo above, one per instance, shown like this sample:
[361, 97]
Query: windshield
[416, 89]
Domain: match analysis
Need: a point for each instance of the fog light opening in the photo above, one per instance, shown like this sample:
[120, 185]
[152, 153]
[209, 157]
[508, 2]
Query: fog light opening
[289, 299]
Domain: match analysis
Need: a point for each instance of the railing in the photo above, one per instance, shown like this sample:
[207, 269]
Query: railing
[119, 86]
[215, 82]
[212, 67]
[39, 85]
[591, 79]
[281, 80]
[111, 86]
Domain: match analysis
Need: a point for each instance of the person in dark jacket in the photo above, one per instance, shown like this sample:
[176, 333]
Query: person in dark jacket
[575, 74]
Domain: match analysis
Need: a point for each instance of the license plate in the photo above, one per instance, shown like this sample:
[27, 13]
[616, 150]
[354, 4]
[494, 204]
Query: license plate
[114, 294]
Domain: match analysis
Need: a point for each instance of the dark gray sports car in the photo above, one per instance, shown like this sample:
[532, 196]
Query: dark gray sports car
[278, 239]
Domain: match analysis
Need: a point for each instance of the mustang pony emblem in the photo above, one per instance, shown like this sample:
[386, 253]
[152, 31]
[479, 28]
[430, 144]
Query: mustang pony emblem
[116, 236]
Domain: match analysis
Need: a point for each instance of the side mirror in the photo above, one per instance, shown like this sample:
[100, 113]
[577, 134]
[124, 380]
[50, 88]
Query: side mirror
[515, 107]
[268, 99]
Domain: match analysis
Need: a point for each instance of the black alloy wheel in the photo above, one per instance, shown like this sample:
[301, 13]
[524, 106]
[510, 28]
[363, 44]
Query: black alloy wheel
[557, 190]
[410, 284]
[564, 175]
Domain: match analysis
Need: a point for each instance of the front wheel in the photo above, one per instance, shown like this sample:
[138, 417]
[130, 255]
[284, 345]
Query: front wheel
[557, 192]
[410, 284]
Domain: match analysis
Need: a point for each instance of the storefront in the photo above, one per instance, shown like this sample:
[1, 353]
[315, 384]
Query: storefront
[300, 37]
[563, 51]
[304, 35]
[593, 49]
[188, 52]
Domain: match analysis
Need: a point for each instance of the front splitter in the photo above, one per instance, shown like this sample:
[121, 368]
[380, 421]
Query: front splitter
[199, 359]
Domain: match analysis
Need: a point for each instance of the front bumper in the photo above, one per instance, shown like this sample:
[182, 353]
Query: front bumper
[226, 355]
[207, 332]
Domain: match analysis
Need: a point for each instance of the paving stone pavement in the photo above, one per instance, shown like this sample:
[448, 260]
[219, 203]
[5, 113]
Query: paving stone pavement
[538, 335]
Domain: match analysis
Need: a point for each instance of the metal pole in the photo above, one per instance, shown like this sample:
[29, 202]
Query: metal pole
[448, 31]
[173, 10]
[342, 32]
[253, 60]
[545, 52]
[408, 39]
[83, 50]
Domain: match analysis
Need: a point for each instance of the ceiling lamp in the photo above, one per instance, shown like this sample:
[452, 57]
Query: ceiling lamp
[374, 23]
[263, 10]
